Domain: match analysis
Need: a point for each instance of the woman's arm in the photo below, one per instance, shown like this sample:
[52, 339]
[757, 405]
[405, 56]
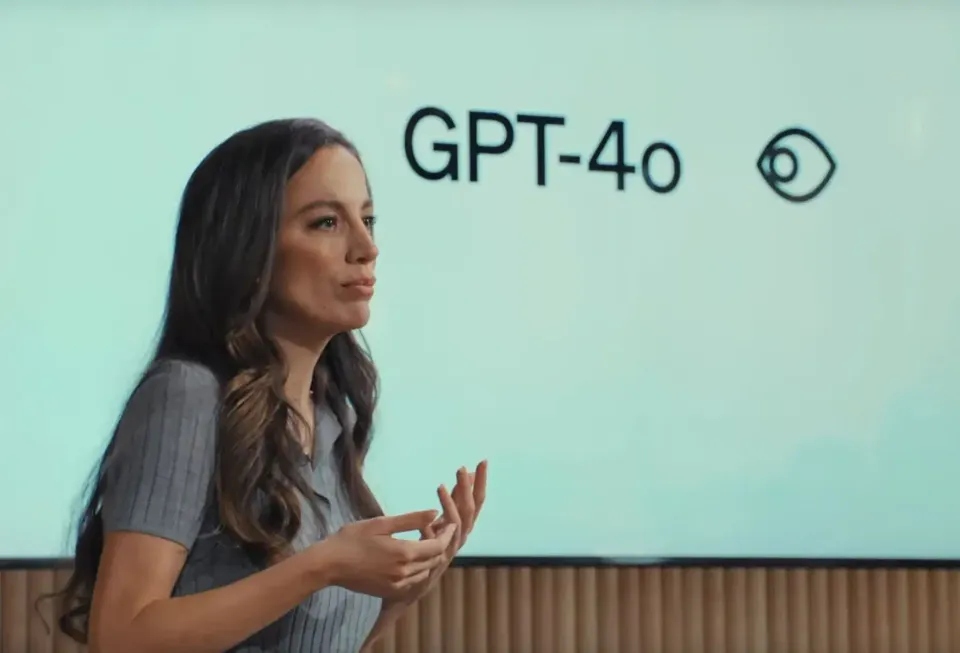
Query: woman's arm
[157, 489]
[390, 613]
[133, 611]
[460, 511]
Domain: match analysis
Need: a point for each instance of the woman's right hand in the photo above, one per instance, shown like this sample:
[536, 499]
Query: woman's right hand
[365, 557]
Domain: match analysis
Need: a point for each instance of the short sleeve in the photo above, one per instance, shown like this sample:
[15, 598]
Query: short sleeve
[159, 472]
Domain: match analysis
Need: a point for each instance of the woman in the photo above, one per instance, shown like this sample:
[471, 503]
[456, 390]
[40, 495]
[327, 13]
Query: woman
[230, 510]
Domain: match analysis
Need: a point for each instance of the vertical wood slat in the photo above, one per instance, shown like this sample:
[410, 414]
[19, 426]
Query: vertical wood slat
[622, 610]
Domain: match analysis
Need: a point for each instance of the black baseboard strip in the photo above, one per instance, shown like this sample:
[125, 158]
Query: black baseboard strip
[18, 564]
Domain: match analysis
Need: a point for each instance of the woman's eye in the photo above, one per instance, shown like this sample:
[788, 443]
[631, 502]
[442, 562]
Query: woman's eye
[326, 222]
[369, 221]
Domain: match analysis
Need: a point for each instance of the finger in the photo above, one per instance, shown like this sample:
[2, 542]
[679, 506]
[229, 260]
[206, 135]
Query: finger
[410, 581]
[411, 521]
[450, 512]
[447, 535]
[480, 487]
[415, 568]
[428, 532]
[437, 525]
[451, 515]
[461, 489]
[465, 505]
[457, 488]
[410, 551]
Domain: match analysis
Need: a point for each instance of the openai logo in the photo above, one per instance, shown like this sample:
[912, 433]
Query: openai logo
[780, 165]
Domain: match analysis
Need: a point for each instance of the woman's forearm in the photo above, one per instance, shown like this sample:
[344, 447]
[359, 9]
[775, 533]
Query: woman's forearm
[390, 613]
[216, 620]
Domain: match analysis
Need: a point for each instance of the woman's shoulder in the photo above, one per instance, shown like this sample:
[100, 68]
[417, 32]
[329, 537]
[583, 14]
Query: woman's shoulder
[162, 457]
[173, 386]
[175, 375]
[180, 371]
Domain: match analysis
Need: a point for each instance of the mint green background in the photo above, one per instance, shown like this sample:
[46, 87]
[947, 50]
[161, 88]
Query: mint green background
[710, 372]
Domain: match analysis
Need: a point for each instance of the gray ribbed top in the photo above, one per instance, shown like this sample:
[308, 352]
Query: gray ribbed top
[159, 482]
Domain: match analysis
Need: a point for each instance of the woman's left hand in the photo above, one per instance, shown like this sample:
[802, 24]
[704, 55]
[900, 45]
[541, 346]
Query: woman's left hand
[460, 509]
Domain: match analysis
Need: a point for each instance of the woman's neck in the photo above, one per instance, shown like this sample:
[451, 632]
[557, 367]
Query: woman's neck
[300, 355]
[301, 364]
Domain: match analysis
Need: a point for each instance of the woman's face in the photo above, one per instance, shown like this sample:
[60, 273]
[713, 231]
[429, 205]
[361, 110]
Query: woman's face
[323, 274]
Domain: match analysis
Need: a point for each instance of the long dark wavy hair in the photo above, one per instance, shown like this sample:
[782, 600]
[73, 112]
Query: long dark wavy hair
[223, 257]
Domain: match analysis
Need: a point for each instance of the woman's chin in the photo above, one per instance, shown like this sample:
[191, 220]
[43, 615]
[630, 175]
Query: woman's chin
[354, 316]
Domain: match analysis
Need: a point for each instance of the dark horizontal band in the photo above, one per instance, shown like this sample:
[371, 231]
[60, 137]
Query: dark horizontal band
[12, 564]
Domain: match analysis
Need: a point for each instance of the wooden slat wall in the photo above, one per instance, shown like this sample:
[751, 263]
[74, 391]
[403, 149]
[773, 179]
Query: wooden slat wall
[620, 610]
